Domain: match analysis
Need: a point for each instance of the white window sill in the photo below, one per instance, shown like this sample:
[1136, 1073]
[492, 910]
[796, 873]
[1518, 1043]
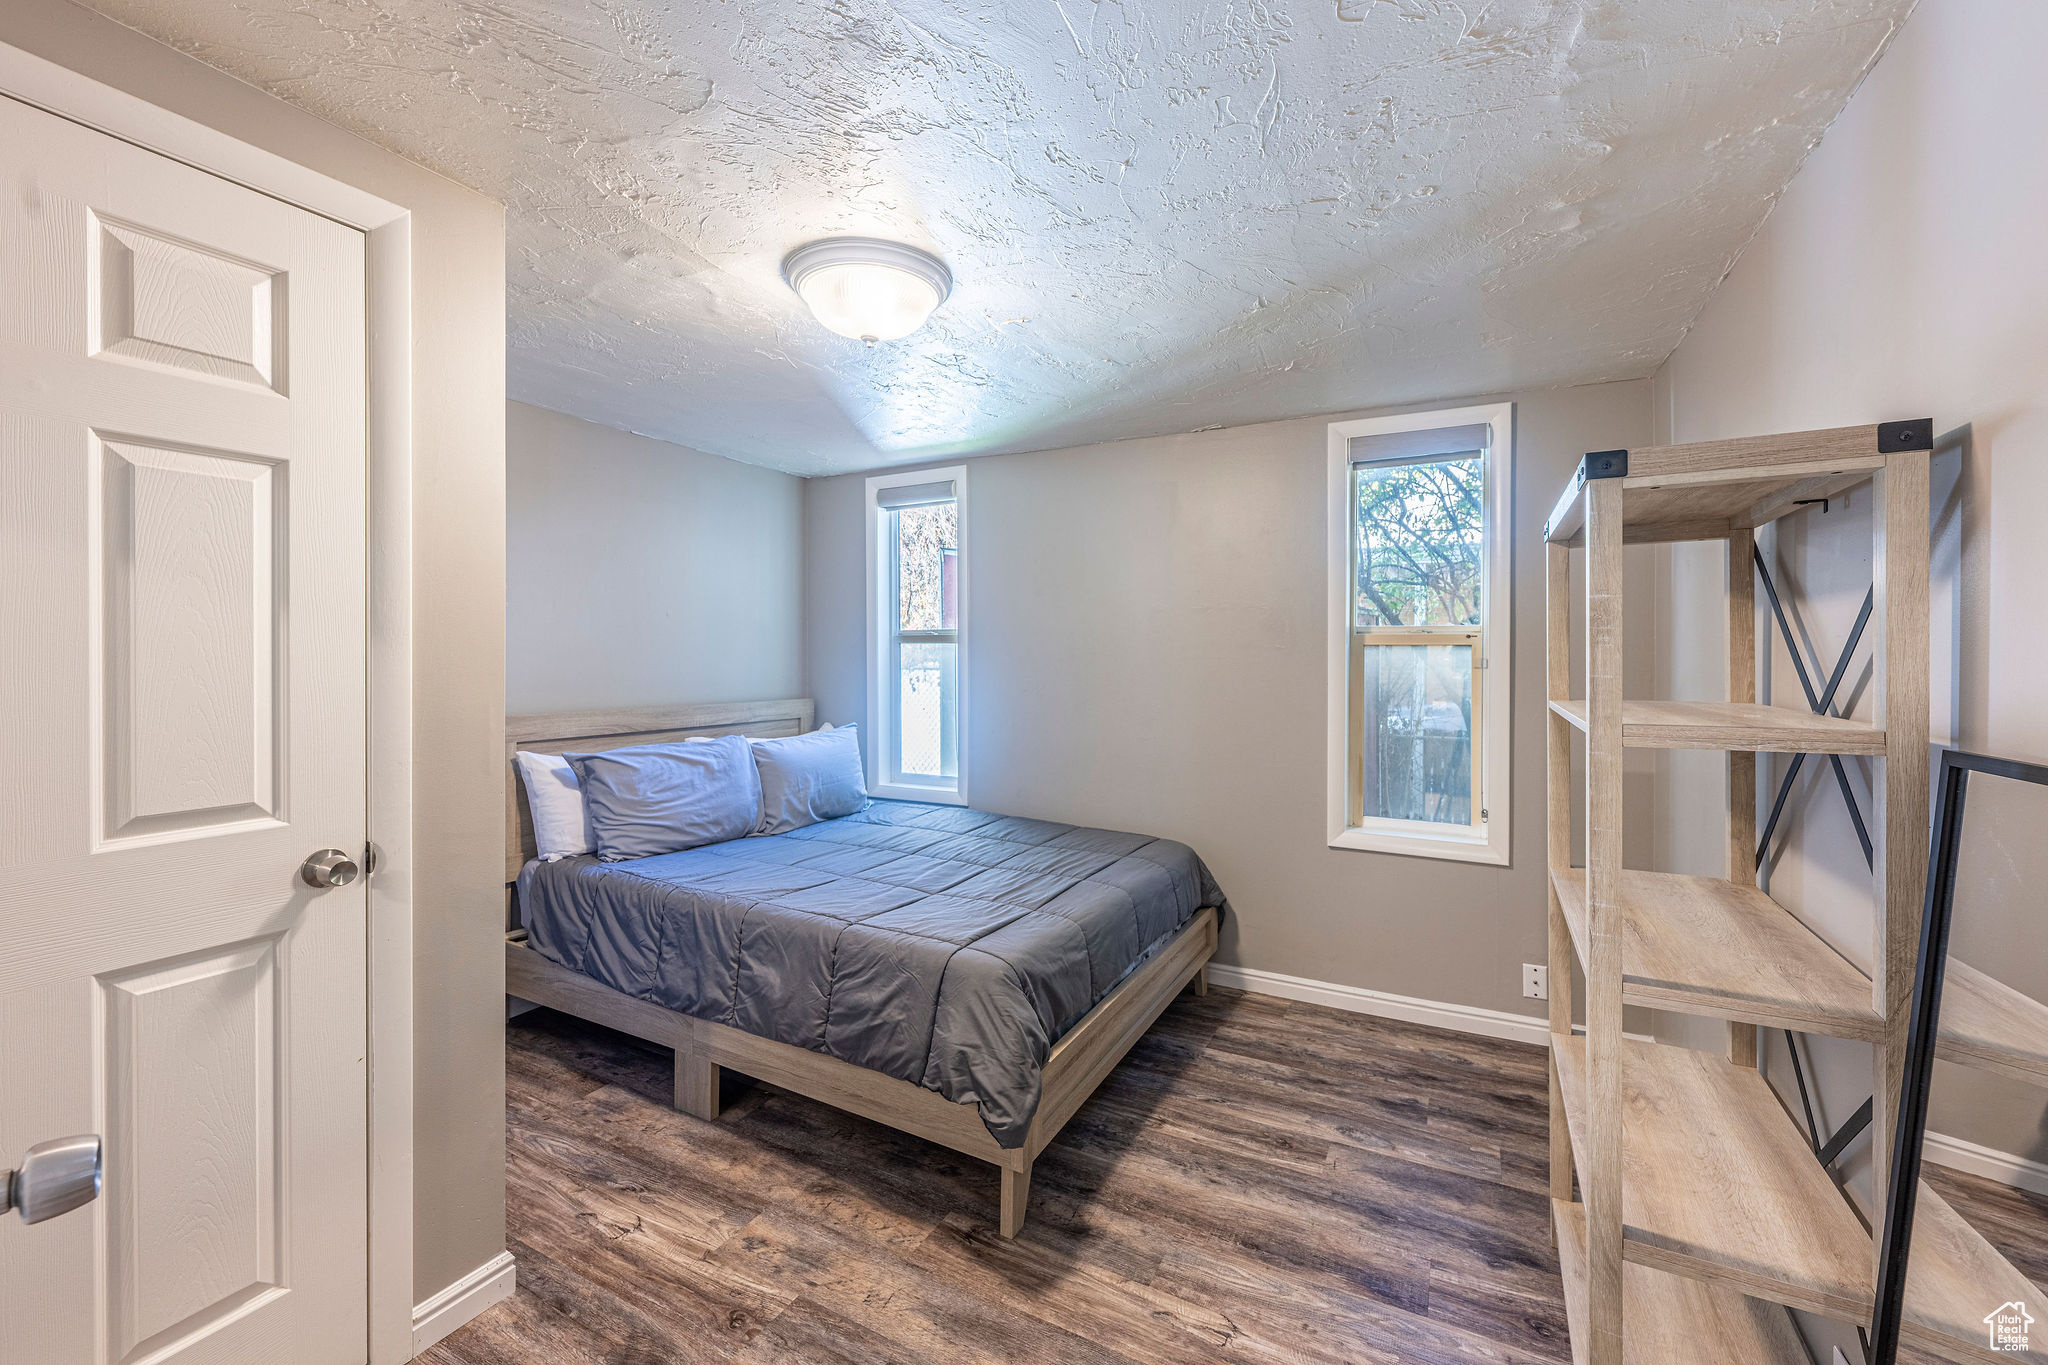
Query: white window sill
[1452, 847]
[899, 791]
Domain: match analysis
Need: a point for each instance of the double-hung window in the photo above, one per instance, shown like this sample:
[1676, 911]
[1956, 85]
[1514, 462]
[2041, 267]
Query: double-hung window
[1419, 633]
[917, 618]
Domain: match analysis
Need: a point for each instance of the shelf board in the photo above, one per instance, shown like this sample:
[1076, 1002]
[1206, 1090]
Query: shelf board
[1672, 1320]
[1953, 1279]
[1655, 511]
[1702, 945]
[1732, 725]
[1989, 1025]
[1703, 490]
[1718, 1184]
[1719, 1187]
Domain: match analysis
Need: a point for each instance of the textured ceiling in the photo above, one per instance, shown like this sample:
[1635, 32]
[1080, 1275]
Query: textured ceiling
[1161, 214]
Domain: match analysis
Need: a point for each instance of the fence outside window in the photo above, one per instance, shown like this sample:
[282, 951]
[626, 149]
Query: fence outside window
[1415, 698]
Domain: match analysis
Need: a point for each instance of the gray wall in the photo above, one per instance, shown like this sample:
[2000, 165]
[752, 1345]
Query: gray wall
[1148, 653]
[643, 572]
[1902, 276]
[458, 558]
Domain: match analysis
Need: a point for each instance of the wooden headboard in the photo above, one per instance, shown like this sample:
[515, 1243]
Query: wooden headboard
[591, 731]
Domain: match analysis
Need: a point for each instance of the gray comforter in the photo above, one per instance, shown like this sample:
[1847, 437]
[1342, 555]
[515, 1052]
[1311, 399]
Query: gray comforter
[944, 946]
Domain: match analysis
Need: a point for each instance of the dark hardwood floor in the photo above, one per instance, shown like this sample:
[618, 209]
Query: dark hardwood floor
[1260, 1181]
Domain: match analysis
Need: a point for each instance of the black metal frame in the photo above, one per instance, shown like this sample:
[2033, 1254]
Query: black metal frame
[1903, 1193]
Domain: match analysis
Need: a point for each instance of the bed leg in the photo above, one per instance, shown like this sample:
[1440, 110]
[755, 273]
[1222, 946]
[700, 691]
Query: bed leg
[696, 1085]
[1016, 1193]
[1199, 982]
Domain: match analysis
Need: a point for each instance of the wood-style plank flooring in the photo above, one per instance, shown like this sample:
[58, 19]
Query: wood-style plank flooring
[1260, 1181]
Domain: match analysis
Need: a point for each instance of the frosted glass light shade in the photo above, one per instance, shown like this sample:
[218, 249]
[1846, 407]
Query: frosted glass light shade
[868, 302]
[866, 288]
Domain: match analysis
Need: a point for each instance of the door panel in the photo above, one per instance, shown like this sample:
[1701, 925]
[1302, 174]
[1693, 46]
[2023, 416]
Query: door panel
[182, 721]
[190, 676]
[193, 1168]
[179, 305]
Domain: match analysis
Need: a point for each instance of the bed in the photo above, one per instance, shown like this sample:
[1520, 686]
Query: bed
[964, 976]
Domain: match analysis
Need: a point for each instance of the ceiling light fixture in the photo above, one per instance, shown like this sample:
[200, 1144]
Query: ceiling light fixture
[866, 288]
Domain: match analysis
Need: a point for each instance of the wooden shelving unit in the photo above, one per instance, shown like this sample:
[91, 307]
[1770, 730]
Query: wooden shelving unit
[1705, 1213]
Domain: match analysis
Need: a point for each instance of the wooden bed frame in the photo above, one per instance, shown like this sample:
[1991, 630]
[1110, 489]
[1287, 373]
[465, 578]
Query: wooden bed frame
[1080, 1060]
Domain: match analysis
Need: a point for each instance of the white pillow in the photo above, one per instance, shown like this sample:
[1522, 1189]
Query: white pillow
[561, 827]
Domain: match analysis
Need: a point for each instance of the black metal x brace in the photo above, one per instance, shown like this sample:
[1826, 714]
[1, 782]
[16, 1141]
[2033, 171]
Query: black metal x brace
[1821, 705]
[1830, 1151]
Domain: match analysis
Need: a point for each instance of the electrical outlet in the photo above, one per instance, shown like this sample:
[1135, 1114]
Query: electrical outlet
[1535, 981]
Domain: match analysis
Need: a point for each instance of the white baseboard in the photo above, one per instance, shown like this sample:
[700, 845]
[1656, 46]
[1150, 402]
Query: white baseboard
[2007, 1169]
[1517, 1028]
[492, 1282]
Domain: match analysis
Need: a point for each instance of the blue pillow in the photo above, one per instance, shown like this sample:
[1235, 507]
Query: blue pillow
[809, 778]
[659, 798]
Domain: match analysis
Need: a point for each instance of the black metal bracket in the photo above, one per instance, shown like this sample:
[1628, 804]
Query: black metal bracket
[1604, 464]
[1917, 434]
[1902, 1194]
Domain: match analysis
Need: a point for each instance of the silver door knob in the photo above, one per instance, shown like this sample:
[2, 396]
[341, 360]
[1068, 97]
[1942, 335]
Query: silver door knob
[55, 1177]
[329, 867]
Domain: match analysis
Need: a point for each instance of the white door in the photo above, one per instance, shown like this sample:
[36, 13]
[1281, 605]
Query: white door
[182, 721]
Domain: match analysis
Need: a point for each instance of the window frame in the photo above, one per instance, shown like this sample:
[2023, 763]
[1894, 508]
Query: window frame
[1491, 710]
[883, 640]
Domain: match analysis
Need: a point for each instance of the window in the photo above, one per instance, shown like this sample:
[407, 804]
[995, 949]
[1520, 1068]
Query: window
[1418, 622]
[917, 618]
